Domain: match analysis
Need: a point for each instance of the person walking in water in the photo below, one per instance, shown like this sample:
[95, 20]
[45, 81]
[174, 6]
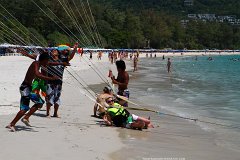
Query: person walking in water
[169, 65]
[135, 61]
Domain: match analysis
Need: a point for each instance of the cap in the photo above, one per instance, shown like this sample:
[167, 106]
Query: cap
[107, 89]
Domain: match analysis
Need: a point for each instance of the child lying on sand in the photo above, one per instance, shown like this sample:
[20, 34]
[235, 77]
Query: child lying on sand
[120, 117]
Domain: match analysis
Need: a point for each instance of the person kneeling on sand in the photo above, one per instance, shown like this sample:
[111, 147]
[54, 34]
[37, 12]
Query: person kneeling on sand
[120, 117]
[25, 90]
[100, 105]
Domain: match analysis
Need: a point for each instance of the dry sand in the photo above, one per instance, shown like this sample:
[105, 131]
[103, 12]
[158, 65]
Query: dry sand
[76, 135]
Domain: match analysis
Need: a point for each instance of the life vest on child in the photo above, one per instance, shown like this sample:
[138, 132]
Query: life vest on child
[118, 114]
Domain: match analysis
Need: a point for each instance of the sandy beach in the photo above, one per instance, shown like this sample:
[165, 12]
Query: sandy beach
[77, 135]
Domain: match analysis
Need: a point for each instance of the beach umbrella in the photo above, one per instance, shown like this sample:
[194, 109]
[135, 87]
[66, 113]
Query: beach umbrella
[63, 47]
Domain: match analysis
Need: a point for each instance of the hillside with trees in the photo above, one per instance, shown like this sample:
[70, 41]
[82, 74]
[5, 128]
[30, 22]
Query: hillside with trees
[119, 24]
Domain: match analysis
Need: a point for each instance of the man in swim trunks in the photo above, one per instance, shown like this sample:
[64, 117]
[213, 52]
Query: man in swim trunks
[122, 81]
[25, 89]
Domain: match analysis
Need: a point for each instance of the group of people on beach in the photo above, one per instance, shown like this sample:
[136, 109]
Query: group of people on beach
[112, 108]
[44, 77]
[151, 55]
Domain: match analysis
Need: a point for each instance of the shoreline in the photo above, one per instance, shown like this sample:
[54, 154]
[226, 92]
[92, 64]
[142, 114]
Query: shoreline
[172, 138]
[177, 54]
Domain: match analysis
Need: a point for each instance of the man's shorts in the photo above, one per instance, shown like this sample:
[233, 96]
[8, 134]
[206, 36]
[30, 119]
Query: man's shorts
[54, 93]
[126, 94]
[27, 95]
[130, 120]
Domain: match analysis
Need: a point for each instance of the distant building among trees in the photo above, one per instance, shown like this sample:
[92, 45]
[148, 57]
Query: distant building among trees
[231, 19]
[188, 2]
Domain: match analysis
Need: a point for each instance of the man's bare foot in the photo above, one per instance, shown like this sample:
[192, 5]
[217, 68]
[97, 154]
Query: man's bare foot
[150, 126]
[48, 116]
[26, 122]
[12, 128]
[56, 116]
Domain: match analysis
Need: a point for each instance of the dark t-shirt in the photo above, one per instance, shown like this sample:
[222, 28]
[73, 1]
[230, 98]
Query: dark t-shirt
[57, 70]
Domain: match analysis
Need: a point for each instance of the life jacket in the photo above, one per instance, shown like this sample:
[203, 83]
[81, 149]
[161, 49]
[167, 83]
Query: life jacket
[118, 114]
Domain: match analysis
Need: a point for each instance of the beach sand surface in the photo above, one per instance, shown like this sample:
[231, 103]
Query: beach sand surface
[76, 135]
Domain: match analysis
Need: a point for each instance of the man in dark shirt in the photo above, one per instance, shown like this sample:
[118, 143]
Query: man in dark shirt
[54, 88]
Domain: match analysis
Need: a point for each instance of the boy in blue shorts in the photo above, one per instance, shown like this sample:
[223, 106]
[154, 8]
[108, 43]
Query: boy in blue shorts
[26, 88]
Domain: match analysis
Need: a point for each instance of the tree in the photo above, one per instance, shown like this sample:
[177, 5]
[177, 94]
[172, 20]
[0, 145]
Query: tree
[58, 38]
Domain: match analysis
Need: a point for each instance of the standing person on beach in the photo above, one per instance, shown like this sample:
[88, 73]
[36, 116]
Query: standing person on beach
[135, 61]
[122, 81]
[130, 56]
[25, 89]
[99, 56]
[169, 65]
[90, 55]
[54, 87]
[112, 57]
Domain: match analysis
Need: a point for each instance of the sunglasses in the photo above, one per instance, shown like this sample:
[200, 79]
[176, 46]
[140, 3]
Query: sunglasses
[109, 101]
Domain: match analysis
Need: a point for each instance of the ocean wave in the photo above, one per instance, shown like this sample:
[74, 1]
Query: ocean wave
[177, 86]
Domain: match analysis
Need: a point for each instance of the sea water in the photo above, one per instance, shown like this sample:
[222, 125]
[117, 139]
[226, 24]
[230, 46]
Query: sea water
[195, 88]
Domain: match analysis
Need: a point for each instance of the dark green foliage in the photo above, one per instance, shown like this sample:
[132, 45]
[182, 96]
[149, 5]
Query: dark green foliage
[120, 23]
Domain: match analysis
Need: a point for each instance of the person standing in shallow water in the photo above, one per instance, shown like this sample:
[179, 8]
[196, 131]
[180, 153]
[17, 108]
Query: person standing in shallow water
[122, 81]
[169, 65]
[135, 61]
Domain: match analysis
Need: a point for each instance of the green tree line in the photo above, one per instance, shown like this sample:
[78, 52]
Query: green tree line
[118, 24]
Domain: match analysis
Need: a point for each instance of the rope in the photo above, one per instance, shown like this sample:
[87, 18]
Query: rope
[74, 18]
[70, 18]
[56, 23]
[88, 28]
[19, 23]
[181, 117]
[95, 25]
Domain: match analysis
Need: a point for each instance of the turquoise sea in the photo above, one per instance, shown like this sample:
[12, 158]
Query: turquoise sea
[202, 89]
